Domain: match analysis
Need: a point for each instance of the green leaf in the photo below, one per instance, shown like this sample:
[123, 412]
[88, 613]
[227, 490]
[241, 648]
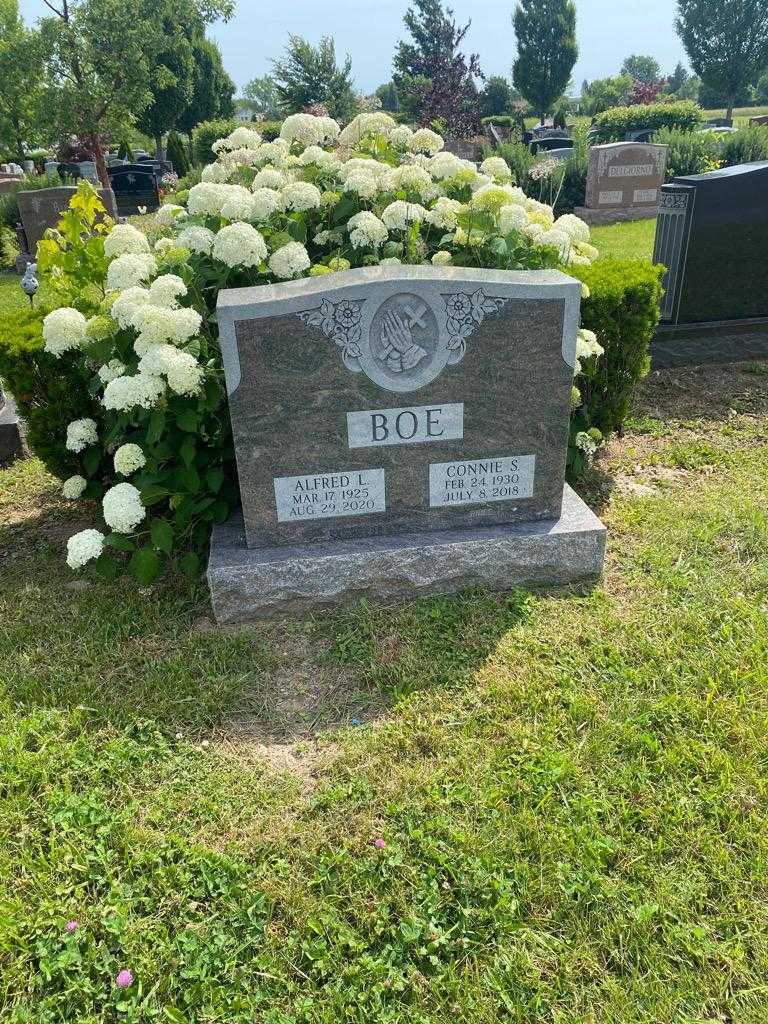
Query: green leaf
[190, 564]
[119, 542]
[175, 1015]
[107, 566]
[187, 420]
[187, 451]
[161, 532]
[144, 566]
[215, 478]
[153, 494]
[188, 479]
[156, 426]
[298, 230]
[91, 460]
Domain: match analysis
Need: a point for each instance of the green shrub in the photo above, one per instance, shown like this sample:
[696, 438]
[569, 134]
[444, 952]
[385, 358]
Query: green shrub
[504, 120]
[204, 136]
[177, 154]
[49, 392]
[269, 130]
[689, 152]
[745, 146]
[566, 186]
[623, 311]
[519, 158]
[573, 188]
[615, 124]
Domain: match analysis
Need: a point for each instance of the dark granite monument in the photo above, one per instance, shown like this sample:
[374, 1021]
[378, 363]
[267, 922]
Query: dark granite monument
[11, 440]
[546, 143]
[623, 182]
[134, 186]
[712, 235]
[399, 430]
[42, 209]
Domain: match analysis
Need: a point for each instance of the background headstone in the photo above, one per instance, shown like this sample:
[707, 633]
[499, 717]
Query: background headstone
[42, 208]
[393, 408]
[623, 181]
[134, 185]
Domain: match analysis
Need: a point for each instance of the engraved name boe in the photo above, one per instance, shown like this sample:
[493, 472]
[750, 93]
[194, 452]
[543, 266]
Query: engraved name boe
[478, 481]
[413, 425]
[329, 495]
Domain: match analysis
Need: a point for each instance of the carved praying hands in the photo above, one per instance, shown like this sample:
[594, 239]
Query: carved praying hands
[398, 349]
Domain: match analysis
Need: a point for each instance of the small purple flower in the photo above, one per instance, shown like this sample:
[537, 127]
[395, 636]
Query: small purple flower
[72, 926]
[379, 843]
[124, 979]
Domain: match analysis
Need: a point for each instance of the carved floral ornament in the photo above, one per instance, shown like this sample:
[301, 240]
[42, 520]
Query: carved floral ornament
[407, 343]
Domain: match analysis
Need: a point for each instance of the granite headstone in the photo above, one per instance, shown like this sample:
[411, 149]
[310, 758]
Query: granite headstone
[42, 209]
[623, 181]
[134, 186]
[385, 413]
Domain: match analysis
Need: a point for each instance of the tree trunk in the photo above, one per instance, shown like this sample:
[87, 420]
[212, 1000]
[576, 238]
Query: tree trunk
[101, 163]
[729, 111]
[159, 150]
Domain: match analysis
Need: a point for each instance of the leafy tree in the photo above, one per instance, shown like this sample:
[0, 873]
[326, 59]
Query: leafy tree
[263, 95]
[678, 78]
[309, 75]
[100, 57]
[497, 96]
[713, 99]
[546, 50]
[604, 93]
[434, 80]
[212, 88]
[761, 89]
[387, 93]
[641, 68]
[20, 75]
[727, 43]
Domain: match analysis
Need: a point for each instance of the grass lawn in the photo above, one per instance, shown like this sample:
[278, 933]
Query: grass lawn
[571, 788]
[629, 240]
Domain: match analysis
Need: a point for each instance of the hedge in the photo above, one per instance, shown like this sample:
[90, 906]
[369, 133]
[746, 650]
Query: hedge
[615, 124]
[47, 391]
[623, 311]
[204, 136]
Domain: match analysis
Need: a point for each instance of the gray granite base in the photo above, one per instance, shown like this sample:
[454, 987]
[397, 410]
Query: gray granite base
[11, 437]
[258, 583]
[616, 215]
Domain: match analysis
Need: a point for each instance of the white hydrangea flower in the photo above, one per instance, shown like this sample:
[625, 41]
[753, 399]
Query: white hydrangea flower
[512, 218]
[365, 164]
[539, 213]
[182, 370]
[425, 141]
[495, 167]
[111, 371]
[266, 201]
[239, 205]
[366, 230]
[81, 433]
[365, 125]
[126, 304]
[240, 245]
[162, 245]
[533, 231]
[319, 157]
[585, 292]
[168, 214]
[300, 195]
[398, 216]
[289, 261]
[73, 487]
[390, 261]
[240, 158]
[130, 271]
[587, 344]
[573, 226]
[585, 443]
[308, 130]
[215, 174]
[125, 239]
[411, 178]
[241, 138]
[274, 153]
[445, 213]
[442, 258]
[166, 290]
[400, 136]
[157, 324]
[124, 393]
[556, 240]
[129, 458]
[64, 329]
[492, 197]
[207, 198]
[361, 184]
[444, 165]
[269, 177]
[589, 252]
[197, 239]
[122, 508]
[84, 547]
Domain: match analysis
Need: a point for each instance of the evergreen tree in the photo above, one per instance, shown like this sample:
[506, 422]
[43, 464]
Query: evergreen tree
[212, 88]
[678, 78]
[546, 50]
[309, 75]
[387, 93]
[497, 96]
[727, 43]
[434, 80]
[177, 154]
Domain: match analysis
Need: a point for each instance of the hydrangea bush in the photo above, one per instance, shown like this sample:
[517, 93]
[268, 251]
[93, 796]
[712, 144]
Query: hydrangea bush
[317, 200]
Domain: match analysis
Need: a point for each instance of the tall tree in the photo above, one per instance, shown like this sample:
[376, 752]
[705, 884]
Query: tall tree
[20, 75]
[497, 96]
[262, 93]
[604, 93]
[100, 57]
[434, 79]
[212, 88]
[546, 50]
[726, 41]
[642, 68]
[309, 75]
[678, 78]
[387, 93]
